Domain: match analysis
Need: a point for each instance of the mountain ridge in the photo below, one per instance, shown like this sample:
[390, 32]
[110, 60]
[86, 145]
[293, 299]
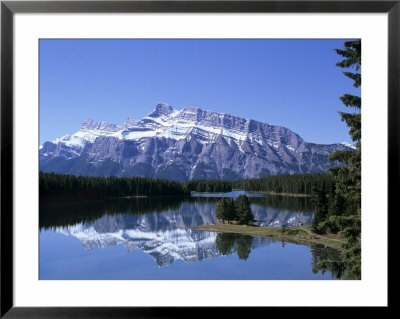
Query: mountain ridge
[191, 143]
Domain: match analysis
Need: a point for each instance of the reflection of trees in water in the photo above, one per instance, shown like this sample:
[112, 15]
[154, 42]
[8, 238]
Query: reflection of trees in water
[291, 203]
[228, 243]
[66, 214]
[72, 213]
[225, 243]
[320, 253]
[243, 243]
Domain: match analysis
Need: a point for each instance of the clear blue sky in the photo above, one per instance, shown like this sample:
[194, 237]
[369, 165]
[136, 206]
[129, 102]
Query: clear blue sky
[291, 83]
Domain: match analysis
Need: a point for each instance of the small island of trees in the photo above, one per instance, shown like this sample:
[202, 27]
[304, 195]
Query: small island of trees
[238, 210]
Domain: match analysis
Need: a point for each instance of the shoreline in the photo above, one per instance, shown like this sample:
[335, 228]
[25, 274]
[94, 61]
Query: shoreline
[76, 200]
[295, 234]
[257, 192]
[128, 196]
[280, 194]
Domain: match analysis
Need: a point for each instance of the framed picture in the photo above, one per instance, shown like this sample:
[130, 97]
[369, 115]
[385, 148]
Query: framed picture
[160, 155]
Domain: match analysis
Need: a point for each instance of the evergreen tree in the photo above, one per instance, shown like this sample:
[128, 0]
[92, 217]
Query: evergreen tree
[225, 210]
[221, 209]
[321, 211]
[337, 208]
[348, 176]
[231, 210]
[243, 210]
[345, 216]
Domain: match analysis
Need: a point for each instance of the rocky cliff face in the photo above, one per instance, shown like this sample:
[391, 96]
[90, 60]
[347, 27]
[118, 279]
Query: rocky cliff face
[188, 144]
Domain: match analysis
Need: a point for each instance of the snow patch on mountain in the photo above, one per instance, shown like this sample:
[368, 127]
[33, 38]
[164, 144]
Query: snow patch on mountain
[163, 122]
[349, 145]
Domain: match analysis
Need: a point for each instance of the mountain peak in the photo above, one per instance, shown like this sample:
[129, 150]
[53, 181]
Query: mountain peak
[162, 109]
[89, 125]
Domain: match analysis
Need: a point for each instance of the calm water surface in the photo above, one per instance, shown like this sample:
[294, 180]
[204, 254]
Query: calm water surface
[152, 238]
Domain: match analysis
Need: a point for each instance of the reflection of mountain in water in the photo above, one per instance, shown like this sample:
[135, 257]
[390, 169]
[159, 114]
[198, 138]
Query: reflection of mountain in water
[162, 228]
[275, 217]
[164, 247]
[166, 237]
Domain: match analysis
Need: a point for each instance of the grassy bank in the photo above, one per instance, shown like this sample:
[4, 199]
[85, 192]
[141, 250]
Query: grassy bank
[297, 234]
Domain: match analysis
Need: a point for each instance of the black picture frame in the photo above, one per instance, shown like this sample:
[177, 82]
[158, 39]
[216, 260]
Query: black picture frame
[9, 8]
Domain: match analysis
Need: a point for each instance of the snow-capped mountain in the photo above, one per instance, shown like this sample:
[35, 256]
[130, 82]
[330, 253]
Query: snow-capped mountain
[188, 144]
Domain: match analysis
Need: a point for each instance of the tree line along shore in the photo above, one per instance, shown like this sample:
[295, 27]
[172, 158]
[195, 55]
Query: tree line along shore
[52, 184]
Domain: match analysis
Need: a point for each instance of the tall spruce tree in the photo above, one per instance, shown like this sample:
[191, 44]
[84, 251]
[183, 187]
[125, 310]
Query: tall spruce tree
[348, 176]
[231, 211]
[321, 211]
[225, 210]
[243, 210]
[221, 209]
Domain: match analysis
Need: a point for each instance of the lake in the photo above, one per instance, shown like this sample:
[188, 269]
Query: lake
[153, 239]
